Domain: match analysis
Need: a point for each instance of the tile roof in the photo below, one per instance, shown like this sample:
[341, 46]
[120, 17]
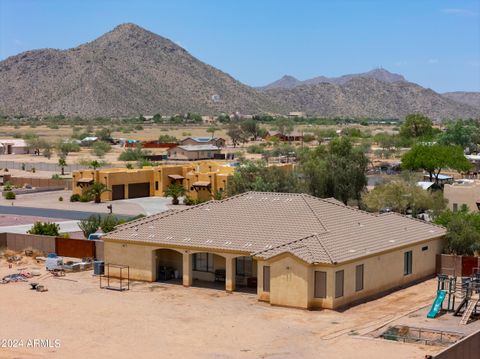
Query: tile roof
[267, 224]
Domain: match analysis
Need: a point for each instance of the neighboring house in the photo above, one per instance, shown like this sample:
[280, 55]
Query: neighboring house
[201, 180]
[194, 141]
[463, 192]
[13, 147]
[295, 250]
[475, 160]
[294, 136]
[193, 152]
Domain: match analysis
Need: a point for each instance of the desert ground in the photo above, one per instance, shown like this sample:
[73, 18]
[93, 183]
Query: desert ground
[159, 320]
[149, 132]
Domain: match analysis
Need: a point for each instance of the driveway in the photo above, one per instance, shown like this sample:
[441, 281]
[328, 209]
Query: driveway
[150, 205]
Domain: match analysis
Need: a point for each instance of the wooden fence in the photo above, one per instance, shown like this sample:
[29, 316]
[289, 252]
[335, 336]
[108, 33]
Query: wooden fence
[461, 266]
[66, 247]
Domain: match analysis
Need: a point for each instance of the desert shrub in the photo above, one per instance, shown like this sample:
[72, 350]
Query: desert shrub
[100, 148]
[7, 186]
[75, 197]
[256, 149]
[45, 228]
[85, 197]
[60, 199]
[10, 195]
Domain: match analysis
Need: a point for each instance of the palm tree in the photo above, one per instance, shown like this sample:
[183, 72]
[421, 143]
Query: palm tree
[96, 190]
[175, 190]
[95, 164]
[62, 162]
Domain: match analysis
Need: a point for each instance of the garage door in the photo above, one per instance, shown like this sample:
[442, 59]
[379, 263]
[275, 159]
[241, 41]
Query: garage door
[118, 191]
[136, 190]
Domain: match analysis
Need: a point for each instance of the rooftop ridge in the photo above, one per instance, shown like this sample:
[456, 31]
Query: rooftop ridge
[314, 235]
[314, 213]
[327, 252]
[411, 218]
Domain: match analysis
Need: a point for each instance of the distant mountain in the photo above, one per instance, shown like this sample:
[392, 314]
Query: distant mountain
[369, 97]
[377, 74]
[127, 71]
[131, 71]
[468, 98]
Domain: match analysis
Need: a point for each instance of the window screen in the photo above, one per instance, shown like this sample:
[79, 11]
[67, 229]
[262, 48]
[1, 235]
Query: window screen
[407, 263]
[359, 277]
[266, 278]
[339, 284]
[320, 284]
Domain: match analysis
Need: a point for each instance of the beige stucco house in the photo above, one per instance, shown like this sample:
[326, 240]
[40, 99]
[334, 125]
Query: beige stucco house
[463, 192]
[294, 250]
[193, 152]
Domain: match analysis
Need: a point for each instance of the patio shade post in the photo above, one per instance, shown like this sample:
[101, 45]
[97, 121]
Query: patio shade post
[229, 274]
[187, 269]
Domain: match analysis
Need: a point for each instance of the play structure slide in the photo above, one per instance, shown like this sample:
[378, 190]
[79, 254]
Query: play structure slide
[437, 304]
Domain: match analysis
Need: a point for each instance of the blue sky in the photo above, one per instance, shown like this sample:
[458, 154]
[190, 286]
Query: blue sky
[435, 43]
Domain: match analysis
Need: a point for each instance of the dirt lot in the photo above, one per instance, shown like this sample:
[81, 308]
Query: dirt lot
[169, 321]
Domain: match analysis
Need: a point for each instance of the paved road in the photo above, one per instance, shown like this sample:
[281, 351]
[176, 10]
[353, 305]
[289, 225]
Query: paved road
[52, 213]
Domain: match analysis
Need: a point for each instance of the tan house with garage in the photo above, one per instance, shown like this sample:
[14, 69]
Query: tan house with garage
[193, 152]
[294, 250]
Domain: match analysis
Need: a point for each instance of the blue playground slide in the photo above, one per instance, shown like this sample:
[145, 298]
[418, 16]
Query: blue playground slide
[437, 304]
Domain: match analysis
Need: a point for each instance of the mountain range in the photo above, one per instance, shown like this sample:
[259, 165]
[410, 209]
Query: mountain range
[131, 71]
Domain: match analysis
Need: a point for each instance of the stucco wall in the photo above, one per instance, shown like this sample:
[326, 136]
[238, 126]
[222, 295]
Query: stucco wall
[140, 258]
[381, 272]
[289, 284]
[462, 194]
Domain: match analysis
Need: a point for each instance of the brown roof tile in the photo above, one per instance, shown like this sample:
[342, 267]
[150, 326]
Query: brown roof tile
[267, 224]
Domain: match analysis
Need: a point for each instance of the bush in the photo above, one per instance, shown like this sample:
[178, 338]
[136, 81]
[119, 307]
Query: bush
[45, 228]
[256, 149]
[10, 195]
[75, 197]
[100, 148]
[60, 199]
[85, 197]
[7, 186]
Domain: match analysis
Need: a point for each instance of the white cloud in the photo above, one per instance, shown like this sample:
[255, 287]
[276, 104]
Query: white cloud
[433, 61]
[460, 12]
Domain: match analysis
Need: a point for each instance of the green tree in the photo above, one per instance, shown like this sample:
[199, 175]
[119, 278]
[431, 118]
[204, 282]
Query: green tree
[62, 162]
[257, 176]
[461, 133]
[236, 134]
[434, 158]
[96, 190]
[284, 125]
[416, 125]
[175, 190]
[64, 148]
[90, 225]
[45, 229]
[104, 134]
[250, 128]
[401, 196]
[463, 231]
[212, 130]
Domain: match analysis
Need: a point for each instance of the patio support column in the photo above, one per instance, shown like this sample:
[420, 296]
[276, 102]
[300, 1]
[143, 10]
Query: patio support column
[229, 274]
[187, 269]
